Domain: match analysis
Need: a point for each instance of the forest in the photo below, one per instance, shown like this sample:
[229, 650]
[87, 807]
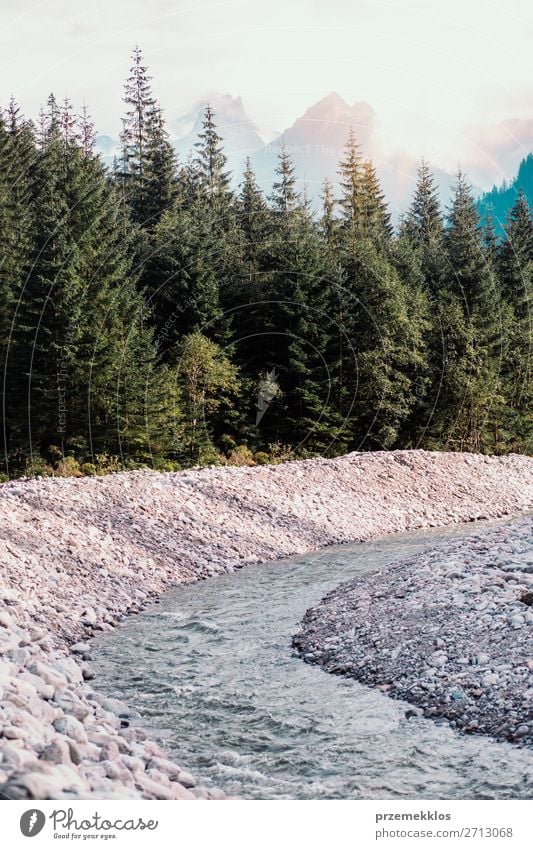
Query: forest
[155, 316]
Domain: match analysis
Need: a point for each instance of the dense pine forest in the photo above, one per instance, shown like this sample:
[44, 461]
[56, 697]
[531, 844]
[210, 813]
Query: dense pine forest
[154, 316]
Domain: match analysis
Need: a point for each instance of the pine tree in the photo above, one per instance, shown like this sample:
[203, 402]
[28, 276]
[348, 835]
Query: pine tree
[328, 222]
[87, 133]
[211, 162]
[473, 342]
[424, 226]
[516, 254]
[17, 151]
[386, 324]
[350, 173]
[285, 198]
[185, 297]
[516, 275]
[140, 104]
[160, 170]
[375, 215]
[78, 310]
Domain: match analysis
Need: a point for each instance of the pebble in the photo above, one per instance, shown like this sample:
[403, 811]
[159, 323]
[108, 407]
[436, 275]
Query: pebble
[478, 679]
[125, 539]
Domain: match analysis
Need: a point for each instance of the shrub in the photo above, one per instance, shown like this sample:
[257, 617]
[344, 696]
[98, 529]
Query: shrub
[280, 453]
[261, 458]
[36, 467]
[88, 469]
[107, 464]
[241, 456]
[68, 467]
[162, 465]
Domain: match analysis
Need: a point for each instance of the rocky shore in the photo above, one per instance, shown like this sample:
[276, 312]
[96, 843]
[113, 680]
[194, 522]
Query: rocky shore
[79, 554]
[449, 630]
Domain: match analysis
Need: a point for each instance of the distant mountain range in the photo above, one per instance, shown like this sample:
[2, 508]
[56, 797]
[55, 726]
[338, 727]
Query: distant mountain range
[499, 200]
[315, 141]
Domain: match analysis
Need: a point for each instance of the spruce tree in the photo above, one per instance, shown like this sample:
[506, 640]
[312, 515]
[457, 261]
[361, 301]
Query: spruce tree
[350, 173]
[375, 216]
[474, 339]
[79, 307]
[211, 162]
[140, 104]
[424, 226]
[516, 275]
[285, 198]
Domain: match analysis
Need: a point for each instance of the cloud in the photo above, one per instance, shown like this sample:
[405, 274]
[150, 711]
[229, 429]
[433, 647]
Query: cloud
[493, 151]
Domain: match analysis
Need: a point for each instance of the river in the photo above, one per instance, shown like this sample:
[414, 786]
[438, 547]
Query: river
[212, 672]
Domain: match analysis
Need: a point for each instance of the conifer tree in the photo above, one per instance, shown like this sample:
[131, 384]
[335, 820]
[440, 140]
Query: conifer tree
[424, 226]
[474, 329]
[350, 173]
[516, 275]
[285, 197]
[211, 161]
[140, 104]
[375, 215]
[17, 152]
[78, 308]
[160, 170]
[328, 222]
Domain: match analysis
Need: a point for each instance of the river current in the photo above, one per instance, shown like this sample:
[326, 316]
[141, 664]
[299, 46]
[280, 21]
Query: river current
[212, 673]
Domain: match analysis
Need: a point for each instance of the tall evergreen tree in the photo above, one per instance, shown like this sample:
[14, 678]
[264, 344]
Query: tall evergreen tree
[474, 330]
[17, 153]
[78, 309]
[350, 173]
[424, 226]
[285, 197]
[211, 161]
[516, 275]
[140, 104]
[375, 216]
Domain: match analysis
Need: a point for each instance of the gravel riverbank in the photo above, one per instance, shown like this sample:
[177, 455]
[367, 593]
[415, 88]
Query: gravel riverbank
[79, 554]
[449, 630]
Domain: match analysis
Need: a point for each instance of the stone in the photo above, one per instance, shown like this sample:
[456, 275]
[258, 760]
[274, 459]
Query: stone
[110, 751]
[57, 752]
[71, 727]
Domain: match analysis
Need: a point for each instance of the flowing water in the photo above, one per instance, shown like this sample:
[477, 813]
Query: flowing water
[213, 674]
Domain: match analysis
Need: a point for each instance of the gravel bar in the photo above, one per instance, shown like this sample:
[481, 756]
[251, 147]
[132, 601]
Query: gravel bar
[80, 554]
[449, 630]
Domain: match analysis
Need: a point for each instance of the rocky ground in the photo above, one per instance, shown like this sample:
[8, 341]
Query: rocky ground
[449, 630]
[79, 554]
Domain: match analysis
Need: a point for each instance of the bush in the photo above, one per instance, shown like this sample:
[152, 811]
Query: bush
[107, 464]
[68, 467]
[88, 469]
[241, 456]
[38, 468]
[162, 465]
[53, 454]
[280, 453]
[261, 458]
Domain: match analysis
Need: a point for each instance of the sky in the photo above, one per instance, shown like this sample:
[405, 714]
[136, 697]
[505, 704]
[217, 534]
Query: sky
[449, 80]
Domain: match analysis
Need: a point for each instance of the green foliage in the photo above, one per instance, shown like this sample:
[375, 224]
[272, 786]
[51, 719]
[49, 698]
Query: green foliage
[261, 458]
[241, 456]
[155, 318]
[208, 382]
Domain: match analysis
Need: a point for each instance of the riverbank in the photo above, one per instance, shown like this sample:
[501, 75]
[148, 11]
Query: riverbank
[449, 630]
[79, 554]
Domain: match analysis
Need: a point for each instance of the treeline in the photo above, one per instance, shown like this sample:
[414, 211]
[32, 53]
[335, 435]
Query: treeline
[154, 315]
